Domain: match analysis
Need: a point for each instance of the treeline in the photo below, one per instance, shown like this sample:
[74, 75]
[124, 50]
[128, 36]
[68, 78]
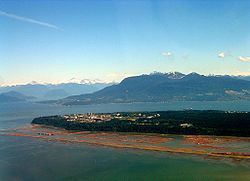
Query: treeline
[199, 122]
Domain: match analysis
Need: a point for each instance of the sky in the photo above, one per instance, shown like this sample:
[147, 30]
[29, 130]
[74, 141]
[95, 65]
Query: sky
[55, 41]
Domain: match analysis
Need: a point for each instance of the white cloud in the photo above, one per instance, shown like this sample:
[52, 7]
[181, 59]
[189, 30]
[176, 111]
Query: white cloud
[244, 59]
[167, 54]
[222, 55]
[29, 20]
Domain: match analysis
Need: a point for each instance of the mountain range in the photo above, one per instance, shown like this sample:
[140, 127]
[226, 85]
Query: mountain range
[55, 91]
[160, 87]
[242, 77]
[13, 96]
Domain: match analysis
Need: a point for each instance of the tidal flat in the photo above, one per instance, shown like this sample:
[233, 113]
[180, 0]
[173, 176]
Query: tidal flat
[237, 148]
[41, 153]
[26, 158]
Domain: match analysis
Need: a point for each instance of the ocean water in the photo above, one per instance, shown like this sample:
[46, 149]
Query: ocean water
[31, 159]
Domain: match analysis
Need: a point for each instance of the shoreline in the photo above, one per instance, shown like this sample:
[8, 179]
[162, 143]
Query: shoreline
[140, 141]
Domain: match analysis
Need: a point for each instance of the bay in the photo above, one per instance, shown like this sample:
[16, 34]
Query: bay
[30, 159]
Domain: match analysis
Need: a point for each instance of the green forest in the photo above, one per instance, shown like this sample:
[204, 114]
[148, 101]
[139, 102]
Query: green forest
[191, 122]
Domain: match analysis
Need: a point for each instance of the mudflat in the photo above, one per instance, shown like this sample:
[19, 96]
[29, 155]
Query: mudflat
[212, 146]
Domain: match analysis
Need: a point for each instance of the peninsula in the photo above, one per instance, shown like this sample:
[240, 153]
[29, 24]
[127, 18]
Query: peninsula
[186, 122]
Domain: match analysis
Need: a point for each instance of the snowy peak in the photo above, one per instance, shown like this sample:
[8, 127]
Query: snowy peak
[170, 75]
[34, 83]
[175, 75]
[89, 81]
[85, 81]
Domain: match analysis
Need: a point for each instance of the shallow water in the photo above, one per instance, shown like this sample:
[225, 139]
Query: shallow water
[32, 159]
[29, 159]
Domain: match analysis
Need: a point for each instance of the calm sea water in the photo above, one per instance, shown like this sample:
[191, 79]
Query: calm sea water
[30, 159]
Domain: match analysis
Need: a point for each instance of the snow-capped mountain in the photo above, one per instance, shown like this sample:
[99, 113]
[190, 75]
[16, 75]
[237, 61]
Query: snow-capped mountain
[56, 91]
[85, 81]
[161, 87]
[175, 75]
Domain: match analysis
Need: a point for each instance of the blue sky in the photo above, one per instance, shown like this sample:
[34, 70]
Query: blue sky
[54, 41]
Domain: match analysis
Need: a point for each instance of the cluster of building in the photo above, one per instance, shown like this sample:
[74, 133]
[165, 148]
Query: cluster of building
[232, 112]
[186, 125]
[88, 118]
[98, 117]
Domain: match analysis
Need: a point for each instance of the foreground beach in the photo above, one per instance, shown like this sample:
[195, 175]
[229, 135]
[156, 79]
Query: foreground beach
[237, 148]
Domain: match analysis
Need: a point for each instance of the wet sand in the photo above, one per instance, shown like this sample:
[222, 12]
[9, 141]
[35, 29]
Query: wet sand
[213, 146]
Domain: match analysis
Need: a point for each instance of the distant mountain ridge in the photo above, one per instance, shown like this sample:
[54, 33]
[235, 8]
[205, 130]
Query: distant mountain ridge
[174, 86]
[13, 96]
[54, 91]
[243, 77]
